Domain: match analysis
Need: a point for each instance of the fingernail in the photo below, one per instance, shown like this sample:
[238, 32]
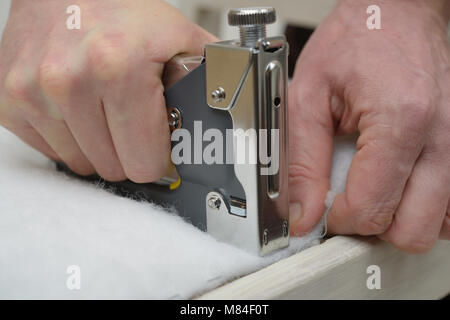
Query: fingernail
[295, 212]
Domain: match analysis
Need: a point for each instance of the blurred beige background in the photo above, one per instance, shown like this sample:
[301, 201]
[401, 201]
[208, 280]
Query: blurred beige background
[211, 14]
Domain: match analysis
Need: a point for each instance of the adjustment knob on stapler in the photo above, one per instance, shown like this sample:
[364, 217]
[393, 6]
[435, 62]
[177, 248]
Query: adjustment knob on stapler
[252, 23]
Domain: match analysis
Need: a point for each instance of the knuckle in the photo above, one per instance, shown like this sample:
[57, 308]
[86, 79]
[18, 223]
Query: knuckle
[17, 87]
[418, 113]
[371, 219]
[418, 107]
[55, 78]
[108, 58]
[300, 171]
[410, 121]
[18, 91]
[372, 225]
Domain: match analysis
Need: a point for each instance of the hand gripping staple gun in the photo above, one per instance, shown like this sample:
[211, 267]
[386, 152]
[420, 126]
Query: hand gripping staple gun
[237, 86]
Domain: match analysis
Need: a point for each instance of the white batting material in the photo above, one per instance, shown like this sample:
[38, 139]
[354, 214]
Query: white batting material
[125, 249]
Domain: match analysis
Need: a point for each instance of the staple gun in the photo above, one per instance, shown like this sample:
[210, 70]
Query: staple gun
[236, 86]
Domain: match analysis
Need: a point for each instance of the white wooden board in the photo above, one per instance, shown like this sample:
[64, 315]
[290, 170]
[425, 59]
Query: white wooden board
[337, 269]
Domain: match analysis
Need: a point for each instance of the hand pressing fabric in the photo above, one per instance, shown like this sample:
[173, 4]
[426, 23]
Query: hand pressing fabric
[93, 98]
[393, 87]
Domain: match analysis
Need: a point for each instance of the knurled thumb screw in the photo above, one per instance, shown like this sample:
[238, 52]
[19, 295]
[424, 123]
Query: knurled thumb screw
[252, 23]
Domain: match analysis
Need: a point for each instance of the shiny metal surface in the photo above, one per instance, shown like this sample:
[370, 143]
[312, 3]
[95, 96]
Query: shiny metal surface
[174, 118]
[218, 95]
[274, 93]
[252, 23]
[255, 81]
[251, 16]
[226, 69]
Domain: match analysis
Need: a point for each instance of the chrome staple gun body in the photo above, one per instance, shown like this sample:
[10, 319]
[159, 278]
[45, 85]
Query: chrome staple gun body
[240, 85]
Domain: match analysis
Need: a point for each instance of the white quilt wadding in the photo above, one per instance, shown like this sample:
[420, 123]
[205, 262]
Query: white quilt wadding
[125, 249]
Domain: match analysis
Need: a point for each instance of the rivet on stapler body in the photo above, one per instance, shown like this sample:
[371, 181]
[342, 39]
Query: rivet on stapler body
[174, 118]
[214, 202]
[218, 94]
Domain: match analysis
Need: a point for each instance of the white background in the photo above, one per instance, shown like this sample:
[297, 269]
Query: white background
[4, 11]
